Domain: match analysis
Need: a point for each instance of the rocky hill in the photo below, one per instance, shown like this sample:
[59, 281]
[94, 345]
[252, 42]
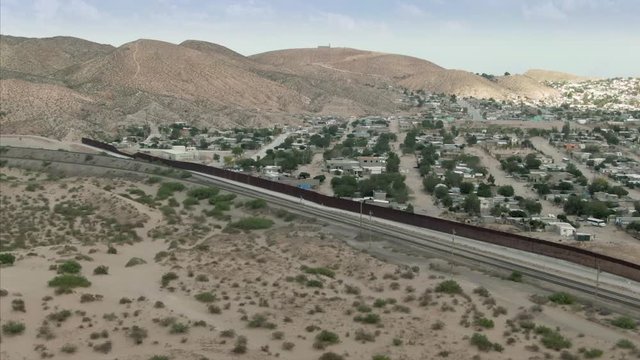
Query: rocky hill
[547, 75]
[74, 87]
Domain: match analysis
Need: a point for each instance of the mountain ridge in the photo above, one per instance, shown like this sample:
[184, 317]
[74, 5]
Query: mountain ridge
[204, 83]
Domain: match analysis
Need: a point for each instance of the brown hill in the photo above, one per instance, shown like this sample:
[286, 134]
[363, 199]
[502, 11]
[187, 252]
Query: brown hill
[406, 71]
[75, 84]
[523, 84]
[46, 56]
[548, 75]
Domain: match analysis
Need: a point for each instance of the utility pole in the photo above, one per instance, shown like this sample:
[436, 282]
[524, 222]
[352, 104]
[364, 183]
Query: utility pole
[597, 279]
[370, 230]
[453, 240]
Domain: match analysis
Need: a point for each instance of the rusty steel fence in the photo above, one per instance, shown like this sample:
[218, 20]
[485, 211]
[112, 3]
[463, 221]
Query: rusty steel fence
[515, 241]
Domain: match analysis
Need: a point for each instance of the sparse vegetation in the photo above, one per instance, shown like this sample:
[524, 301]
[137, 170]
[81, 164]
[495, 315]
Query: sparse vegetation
[624, 322]
[101, 270]
[252, 223]
[449, 287]
[69, 281]
[13, 328]
[206, 297]
[562, 298]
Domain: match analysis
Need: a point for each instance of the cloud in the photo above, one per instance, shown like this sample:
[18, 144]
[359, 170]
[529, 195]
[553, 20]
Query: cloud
[411, 10]
[341, 21]
[248, 8]
[81, 9]
[46, 9]
[545, 11]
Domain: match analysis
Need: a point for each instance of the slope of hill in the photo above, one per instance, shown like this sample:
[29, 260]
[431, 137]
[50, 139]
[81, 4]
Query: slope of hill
[76, 84]
[548, 75]
[46, 56]
[406, 71]
[524, 84]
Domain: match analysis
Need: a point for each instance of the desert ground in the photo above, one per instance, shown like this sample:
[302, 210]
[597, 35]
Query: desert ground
[160, 268]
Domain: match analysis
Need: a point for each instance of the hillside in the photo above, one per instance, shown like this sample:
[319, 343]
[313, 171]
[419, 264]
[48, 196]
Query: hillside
[548, 75]
[405, 71]
[46, 56]
[74, 84]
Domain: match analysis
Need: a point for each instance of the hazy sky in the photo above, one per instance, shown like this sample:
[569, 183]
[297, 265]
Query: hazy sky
[586, 37]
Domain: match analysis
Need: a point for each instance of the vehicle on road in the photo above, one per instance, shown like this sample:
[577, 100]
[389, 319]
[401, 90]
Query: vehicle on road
[596, 222]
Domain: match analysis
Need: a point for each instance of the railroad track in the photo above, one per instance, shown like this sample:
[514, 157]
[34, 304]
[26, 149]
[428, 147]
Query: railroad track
[610, 289]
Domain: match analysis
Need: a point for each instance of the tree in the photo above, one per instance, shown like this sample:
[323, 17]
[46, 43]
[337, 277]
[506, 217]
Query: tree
[618, 190]
[484, 190]
[566, 129]
[466, 187]
[237, 151]
[506, 73]
[574, 205]
[598, 209]
[506, 190]
[542, 188]
[441, 191]
[532, 162]
[409, 208]
[320, 178]
[491, 179]
[531, 206]
[430, 183]
[393, 163]
[472, 204]
[472, 140]
[304, 175]
[446, 201]
[344, 186]
[598, 185]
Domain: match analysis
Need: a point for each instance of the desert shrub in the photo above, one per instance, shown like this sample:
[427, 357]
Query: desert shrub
[203, 193]
[59, 316]
[380, 357]
[167, 278]
[189, 201]
[369, 318]
[449, 287]
[562, 298]
[18, 305]
[69, 348]
[206, 297]
[553, 340]
[379, 303]
[481, 291]
[625, 344]
[69, 281]
[167, 189]
[330, 356]
[256, 204]
[352, 290]
[154, 180]
[481, 342]
[396, 342]
[327, 337]
[104, 348]
[364, 336]
[214, 309]
[13, 328]
[287, 345]
[592, 353]
[137, 334]
[230, 333]
[252, 223]
[277, 335]
[438, 325]
[179, 328]
[624, 322]
[135, 261]
[101, 270]
[241, 345]
[69, 267]
[314, 283]
[260, 321]
[111, 250]
[202, 278]
[515, 276]
[485, 323]
[319, 271]
[7, 258]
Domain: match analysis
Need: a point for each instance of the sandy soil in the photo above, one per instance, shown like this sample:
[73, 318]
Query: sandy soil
[262, 290]
[39, 142]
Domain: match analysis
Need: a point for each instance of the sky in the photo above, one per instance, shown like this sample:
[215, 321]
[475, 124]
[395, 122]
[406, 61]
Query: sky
[584, 37]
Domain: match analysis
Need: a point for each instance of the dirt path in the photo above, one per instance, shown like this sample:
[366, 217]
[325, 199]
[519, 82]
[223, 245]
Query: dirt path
[521, 188]
[135, 60]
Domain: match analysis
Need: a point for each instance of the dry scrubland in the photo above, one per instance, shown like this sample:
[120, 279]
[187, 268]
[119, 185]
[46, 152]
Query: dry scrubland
[160, 268]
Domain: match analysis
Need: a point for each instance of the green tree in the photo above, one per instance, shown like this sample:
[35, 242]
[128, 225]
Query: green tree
[597, 185]
[430, 182]
[441, 191]
[237, 151]
[506, 190]
[393, 163]
[531, 206]
[491, 179]
[471, 204]
[484, 190]
[344, 186]
[466, 187]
